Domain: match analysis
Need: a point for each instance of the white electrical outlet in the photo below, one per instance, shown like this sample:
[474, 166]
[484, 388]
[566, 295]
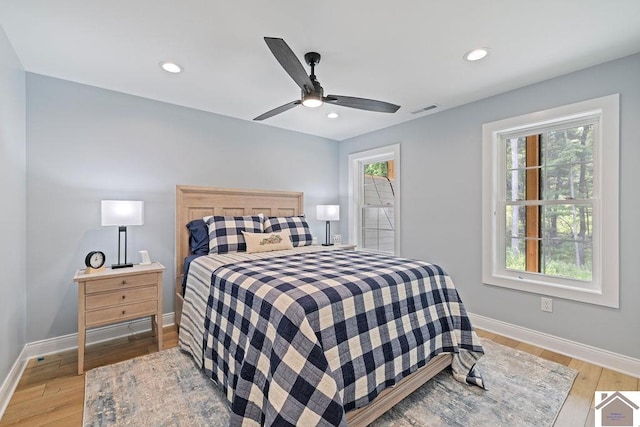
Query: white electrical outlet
[546, 304]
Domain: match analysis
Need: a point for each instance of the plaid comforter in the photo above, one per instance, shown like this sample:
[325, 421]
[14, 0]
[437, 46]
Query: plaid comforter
[300, 339]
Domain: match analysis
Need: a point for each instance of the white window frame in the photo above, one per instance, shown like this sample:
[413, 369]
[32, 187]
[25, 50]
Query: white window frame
[356, 180]
[603, 289]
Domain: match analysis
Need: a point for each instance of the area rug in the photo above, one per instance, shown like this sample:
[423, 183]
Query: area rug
[166, 389]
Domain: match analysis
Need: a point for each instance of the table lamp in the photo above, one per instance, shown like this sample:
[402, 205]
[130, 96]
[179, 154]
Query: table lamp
[328, 213]
[122, 213]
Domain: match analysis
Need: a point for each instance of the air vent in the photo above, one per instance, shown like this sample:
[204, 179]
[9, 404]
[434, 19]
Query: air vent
[422, 110]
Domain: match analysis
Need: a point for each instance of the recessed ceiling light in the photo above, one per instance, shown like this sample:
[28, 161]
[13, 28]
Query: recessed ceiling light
[171, 67]
[333, 115]
[476, 54]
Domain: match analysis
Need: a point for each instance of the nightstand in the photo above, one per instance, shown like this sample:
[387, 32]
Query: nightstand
[113, 296]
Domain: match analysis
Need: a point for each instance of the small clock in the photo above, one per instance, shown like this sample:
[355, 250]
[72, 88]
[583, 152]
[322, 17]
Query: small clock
[94, 261]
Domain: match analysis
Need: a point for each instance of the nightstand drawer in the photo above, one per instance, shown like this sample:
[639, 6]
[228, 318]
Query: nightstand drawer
[121, 297]
[120, 313]
[114, 283]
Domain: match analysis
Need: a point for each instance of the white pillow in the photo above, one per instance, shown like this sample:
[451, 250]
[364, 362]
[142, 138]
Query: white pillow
[267, 242]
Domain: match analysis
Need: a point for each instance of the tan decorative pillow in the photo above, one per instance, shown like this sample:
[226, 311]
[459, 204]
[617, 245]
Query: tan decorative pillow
[266, 242]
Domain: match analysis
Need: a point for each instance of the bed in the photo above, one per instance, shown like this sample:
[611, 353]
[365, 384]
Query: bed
[323, 380]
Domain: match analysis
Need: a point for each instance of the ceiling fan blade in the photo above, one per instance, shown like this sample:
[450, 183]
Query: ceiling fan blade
[280, 109]
[290, 63]
[361, 103]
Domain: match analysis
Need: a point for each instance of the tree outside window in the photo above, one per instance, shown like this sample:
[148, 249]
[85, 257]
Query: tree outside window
[549, 184]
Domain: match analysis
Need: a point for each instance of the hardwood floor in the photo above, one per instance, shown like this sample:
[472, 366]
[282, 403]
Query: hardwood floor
[578, 408]
[51, 393]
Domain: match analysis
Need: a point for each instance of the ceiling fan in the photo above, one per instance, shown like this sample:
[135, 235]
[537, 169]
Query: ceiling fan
[312, 92]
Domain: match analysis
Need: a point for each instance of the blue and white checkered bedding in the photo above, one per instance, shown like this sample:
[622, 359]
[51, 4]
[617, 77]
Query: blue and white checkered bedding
[297, 226]
[300, 338]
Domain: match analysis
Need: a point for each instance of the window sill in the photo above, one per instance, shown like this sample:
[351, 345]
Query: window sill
[607, 298]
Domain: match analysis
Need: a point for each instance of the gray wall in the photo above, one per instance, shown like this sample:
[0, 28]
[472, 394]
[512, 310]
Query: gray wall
[441, 157]
[13, 211]
[87, 144]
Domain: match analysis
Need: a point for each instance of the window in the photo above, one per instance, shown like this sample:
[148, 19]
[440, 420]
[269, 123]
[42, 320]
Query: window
[550, 194]
[374, 183]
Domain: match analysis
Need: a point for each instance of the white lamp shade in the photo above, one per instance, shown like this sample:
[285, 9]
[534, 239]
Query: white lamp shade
[122, 212]
[328, 212]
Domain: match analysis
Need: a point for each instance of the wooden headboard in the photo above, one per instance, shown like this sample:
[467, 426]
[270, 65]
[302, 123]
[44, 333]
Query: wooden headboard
[196, 202]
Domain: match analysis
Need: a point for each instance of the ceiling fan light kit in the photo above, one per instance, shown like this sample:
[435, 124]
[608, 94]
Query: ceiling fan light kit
[311, 100]
[312, 93]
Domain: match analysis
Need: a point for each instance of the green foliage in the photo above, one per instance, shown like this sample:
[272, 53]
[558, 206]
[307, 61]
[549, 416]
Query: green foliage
[568, 269]
[516, 261]
[377, 169]
[565, 174]
[566, 164]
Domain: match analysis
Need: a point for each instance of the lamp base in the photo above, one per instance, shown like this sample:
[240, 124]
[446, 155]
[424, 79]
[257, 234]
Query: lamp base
[114, 266]
[327, 244]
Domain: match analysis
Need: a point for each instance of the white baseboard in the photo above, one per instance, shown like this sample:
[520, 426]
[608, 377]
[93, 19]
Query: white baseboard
[606, 359]
[105, 333]
[11, 382]
[68, 342]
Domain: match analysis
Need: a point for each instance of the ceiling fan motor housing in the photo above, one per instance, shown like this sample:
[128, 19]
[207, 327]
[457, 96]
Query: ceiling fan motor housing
[312, 58]
[317, 89]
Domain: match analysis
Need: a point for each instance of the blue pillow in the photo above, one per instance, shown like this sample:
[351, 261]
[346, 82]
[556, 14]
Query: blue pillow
[198, 237]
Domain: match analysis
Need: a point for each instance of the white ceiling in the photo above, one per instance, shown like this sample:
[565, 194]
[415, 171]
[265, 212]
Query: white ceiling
[406, 52]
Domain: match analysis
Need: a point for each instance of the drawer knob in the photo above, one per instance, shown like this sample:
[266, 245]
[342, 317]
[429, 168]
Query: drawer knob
[124, 282]
[123, 311]
[123, 296]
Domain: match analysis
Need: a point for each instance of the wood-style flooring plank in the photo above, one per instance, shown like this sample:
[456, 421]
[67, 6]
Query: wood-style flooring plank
[485, 334]
[556, 357]
[44, 409]
[576, 408]
[530, 348]
[65, 384]
[28, 393]
[508, 342]
[615, 381]
[74, 419]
